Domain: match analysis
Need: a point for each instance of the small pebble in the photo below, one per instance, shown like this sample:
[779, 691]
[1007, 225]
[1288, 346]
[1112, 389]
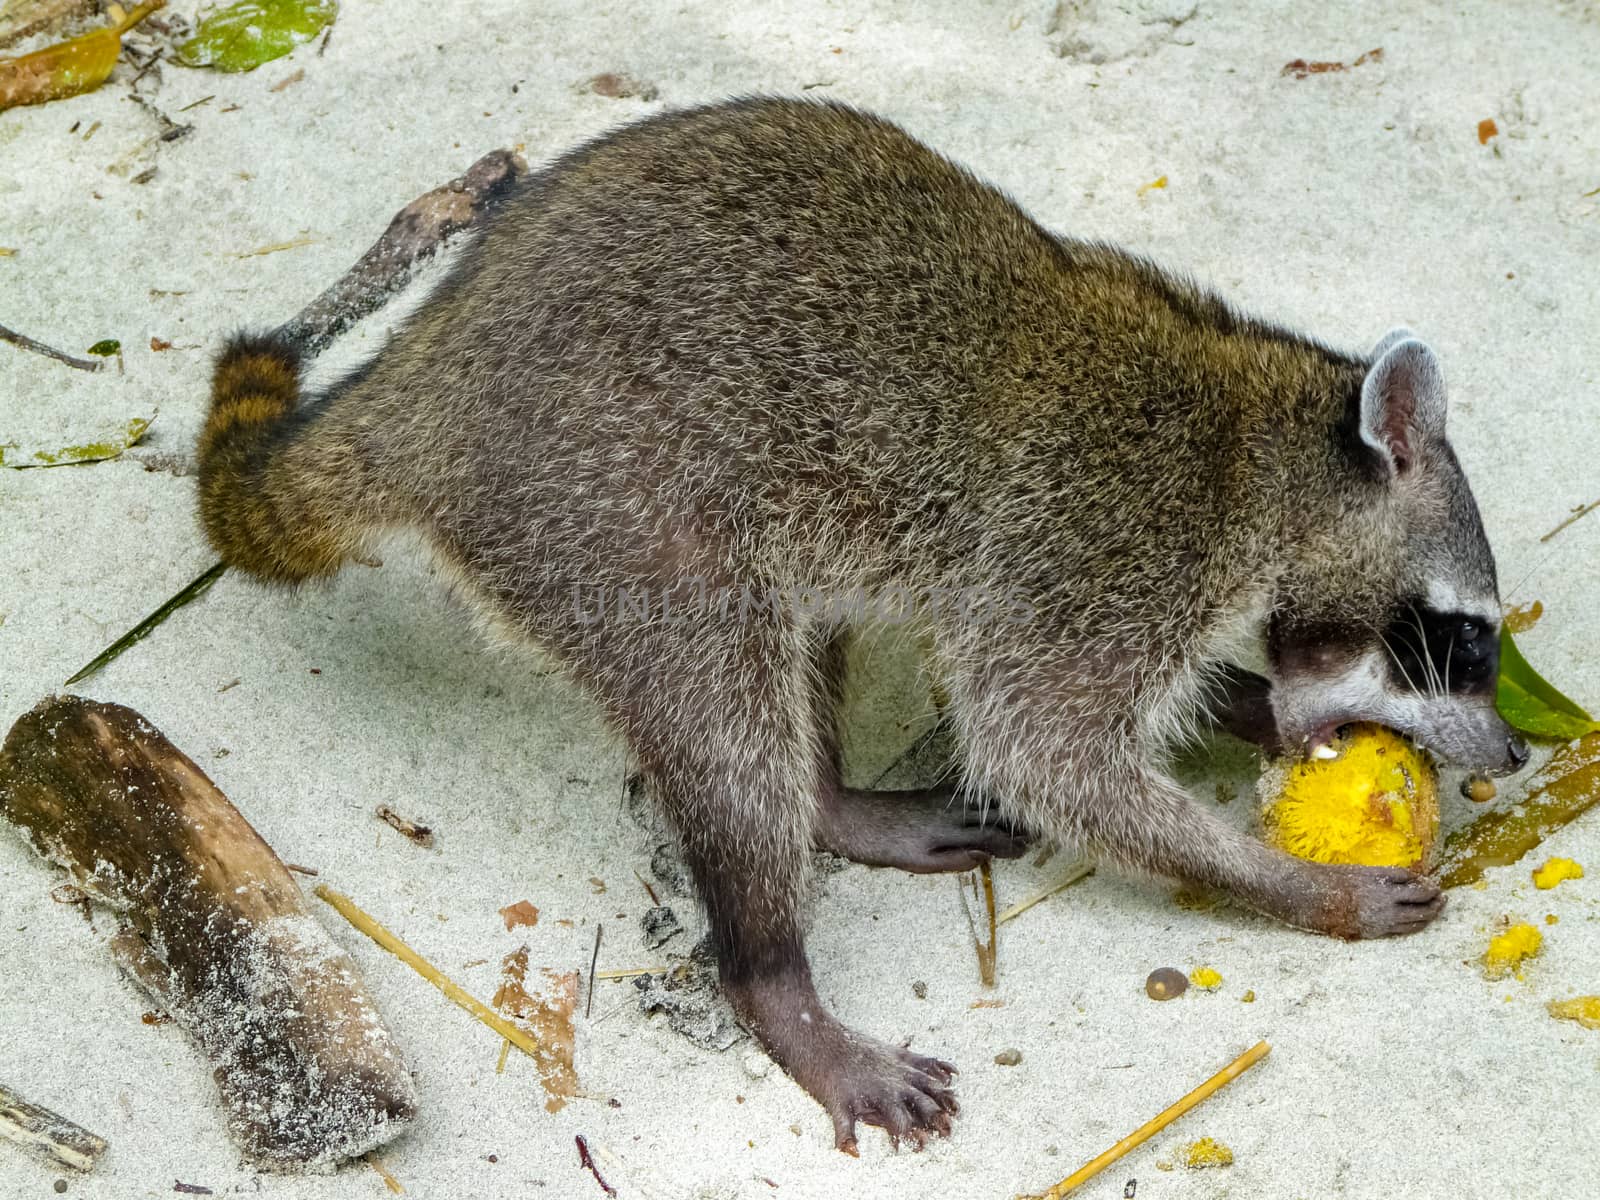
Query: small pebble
[1166, 983]
[1008, 1058]
[1478, 788]
[1249, 997]
[61, 1186]
[756, 1064]
[919, 989]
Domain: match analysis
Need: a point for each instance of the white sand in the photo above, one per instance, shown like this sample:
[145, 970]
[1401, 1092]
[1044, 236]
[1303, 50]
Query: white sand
[1344, 203]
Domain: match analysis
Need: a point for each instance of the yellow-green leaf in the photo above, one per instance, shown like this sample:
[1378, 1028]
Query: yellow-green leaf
[1530, 704]
[68, 68]
[243, 36]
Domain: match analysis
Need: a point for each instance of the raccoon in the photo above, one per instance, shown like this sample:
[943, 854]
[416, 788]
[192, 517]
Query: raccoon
[727, 358]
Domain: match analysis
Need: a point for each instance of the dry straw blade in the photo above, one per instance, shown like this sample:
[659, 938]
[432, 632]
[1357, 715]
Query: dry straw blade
[1154, 1126]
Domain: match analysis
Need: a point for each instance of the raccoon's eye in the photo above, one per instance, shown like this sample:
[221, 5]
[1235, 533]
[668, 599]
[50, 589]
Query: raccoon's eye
[1469, 631]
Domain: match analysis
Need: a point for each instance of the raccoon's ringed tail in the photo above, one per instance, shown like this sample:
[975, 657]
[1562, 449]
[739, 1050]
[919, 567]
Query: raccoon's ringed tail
[276, 492]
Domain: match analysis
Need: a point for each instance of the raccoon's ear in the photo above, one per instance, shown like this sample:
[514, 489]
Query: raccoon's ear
[1390, 340]
[1402, 402]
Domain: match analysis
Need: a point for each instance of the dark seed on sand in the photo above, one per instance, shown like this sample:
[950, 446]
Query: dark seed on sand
[1166, 983]
[919, 989]
[1008, 1058]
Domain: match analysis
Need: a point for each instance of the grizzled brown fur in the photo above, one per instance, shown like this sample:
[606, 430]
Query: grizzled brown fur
[777, 344]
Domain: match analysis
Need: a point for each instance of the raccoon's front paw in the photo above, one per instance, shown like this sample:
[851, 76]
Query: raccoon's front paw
[1374, 902]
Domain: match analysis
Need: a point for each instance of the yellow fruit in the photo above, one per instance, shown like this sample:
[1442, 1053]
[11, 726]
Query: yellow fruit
[1554, 871]
[1205, 978]
[1197, 1156]
[1585, 1010]
[1372, 801]
[1507, 951]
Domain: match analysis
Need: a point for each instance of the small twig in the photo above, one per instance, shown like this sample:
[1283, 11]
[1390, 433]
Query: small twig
[630, 972]
[1075, 873]
[299, 870]
[275, 247]
[1150, 1128]
[1577, 515]
[139, 632]
[585, 1161]
[649, 891]
[350, 911]
[28, 343]
[48, 1135]
[422, 835]
[594, 959]
[389, 1181]
[986, 953]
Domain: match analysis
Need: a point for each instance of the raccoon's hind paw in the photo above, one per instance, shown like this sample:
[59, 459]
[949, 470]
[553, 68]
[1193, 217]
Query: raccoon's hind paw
[921, 832]
[907, 1095]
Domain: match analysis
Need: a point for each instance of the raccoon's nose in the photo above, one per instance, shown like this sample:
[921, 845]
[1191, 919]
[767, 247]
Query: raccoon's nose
[1516, 752]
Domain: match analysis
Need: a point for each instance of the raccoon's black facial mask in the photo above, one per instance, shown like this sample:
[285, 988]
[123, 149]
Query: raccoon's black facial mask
[1442, 652]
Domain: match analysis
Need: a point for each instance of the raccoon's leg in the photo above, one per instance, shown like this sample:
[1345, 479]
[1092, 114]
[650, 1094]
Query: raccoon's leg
[923, 831]
[1091, 784]
[720, 719]
[1151, 822]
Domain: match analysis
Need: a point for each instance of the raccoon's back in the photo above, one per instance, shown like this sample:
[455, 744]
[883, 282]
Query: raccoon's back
[790, 301]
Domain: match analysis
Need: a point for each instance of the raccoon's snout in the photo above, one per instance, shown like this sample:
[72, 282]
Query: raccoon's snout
[1477, 740]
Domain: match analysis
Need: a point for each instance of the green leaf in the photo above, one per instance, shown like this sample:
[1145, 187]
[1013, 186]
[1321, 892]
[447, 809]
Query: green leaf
[243, 36]
[1530, 704]
[106, 348]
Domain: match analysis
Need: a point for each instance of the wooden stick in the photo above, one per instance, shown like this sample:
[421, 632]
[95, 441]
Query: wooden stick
[413, 235]
[986, 953]
[214, 928]
[594, 959]
[1076, 872]
[48, 1135]
[28, 343]
[1577, 515]
[630, 972]
[350, 911]
[389, 1181]
[1154, 1126]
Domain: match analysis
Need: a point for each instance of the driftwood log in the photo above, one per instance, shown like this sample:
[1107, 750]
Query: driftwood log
[48, 1135]
[214, 928]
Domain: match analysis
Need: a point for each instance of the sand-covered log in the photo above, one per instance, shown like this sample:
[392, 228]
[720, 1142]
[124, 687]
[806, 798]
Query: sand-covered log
[214, 927]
